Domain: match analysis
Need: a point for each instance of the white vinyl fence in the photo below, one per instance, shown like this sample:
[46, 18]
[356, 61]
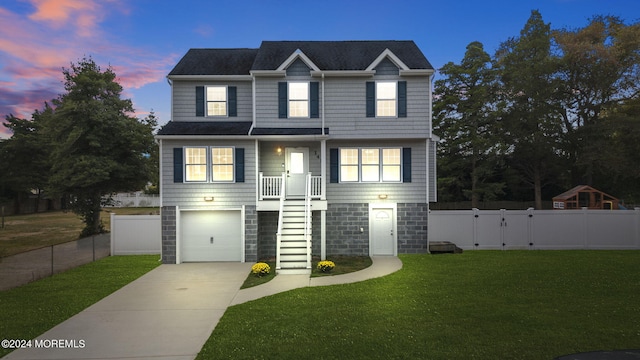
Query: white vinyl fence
[537, 229]
[135, 200]
[135, 234]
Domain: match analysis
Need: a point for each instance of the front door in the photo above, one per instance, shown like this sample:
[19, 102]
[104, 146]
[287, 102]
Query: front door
[382, 234]
[297, 167]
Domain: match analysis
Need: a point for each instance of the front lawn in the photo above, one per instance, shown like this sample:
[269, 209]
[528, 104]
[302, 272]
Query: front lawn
[32, 309]
[476, 305]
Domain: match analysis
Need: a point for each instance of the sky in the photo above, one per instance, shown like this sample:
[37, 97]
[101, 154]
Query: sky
[143, 39]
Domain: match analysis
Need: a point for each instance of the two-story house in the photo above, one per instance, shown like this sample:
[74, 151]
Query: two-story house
[298, 148]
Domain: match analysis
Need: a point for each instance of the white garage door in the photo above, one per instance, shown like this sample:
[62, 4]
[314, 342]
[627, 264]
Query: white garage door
[211, 236]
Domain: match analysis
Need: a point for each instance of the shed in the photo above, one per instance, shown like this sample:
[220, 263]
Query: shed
[584, 196]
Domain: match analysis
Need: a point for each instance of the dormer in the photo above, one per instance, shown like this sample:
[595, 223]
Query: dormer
[298, 64]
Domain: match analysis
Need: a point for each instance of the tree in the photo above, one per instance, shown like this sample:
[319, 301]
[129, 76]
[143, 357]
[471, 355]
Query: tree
[464, 109]
[97, 148]
[532, 120]
[25, 156]
[600, 70]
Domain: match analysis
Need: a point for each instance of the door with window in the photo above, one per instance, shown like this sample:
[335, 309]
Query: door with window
[383, 238]
[297, 167]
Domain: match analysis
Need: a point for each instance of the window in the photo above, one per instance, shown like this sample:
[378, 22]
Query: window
[386, 98]
[195, 164]
[222, 164]
[348, 165]
[391, 165]
[298, 99]
[370, 165]
[217, 164]
[216, 101]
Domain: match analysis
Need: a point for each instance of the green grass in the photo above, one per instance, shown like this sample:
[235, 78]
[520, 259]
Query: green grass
[34, 231]
[32, 309]
[476, 305]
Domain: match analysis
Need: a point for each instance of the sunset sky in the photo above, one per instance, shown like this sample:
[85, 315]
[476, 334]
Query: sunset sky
[143, 39]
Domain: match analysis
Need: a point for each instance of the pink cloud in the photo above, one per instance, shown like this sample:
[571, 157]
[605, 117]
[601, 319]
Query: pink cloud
[34, 47]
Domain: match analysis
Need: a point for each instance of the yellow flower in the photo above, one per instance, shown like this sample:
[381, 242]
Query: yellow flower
[326, 265]
[260, 268]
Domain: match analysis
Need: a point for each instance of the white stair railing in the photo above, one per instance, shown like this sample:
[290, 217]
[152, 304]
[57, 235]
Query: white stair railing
[280, 220]
[307, 218]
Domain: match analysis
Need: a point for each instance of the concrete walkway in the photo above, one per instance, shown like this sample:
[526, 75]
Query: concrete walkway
[170, 312]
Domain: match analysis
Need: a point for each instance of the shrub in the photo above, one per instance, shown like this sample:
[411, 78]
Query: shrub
[326, 265]
[260, 269]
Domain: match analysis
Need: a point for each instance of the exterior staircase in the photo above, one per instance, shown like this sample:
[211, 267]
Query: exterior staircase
[293, 253]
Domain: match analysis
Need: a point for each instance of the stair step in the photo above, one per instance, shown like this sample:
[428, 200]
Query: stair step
[294, 271]
[293, 251]
[293, 264]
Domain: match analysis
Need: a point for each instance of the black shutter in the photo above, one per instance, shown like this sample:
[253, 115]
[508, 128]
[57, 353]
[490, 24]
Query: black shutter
[402, 99]
[406, 165]
[333, 166]
[282, 100]
[239, 165]
[199, 100]
[177, 165]
[314, 99]
[232, 99]
[371, 99]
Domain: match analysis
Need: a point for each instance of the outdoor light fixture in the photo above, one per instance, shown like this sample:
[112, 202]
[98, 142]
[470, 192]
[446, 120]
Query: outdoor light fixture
[382, 196]
[279, 150]
[208, 198]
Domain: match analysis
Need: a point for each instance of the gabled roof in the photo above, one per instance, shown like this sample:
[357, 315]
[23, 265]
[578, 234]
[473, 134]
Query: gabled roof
[326, 55]
[574, 191]
[339, 55]
[215, 62]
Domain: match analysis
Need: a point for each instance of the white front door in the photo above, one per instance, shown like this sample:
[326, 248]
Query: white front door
[382, 232]
[297, 167]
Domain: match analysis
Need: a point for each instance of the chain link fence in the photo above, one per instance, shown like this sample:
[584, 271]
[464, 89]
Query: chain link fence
[29, 266]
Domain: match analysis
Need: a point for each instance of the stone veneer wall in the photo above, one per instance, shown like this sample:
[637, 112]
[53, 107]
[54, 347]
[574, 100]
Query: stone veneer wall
[267, 228]
[168, 219]
[250, 234]
[344, 222]
[412, 228]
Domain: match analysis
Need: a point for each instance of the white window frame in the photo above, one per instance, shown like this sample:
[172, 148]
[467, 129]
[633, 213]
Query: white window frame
[306, 101]
[209, 164]
[380, 164]
[225, 101]
[213, 164]
[187, 164]
[380, 99]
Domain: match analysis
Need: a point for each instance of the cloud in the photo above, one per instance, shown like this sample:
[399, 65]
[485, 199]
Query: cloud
[37, 43]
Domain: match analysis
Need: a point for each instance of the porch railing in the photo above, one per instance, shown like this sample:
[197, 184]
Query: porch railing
[271, 187]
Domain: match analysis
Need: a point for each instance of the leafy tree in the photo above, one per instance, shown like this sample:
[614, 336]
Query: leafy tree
[97, 147]
[465, 118]
[532, 121]
[600, 70]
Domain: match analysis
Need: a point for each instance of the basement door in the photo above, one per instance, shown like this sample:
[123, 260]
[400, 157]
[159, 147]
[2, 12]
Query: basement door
[382, 236]
[211, 236]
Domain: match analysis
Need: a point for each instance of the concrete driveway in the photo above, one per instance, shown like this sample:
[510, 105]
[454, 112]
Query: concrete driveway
[168, 313]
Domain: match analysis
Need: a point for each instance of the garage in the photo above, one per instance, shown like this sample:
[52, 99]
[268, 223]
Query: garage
[211, 235]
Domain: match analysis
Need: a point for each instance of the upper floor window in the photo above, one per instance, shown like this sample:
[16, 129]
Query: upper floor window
[298, 99]
[386, 96]
[216, 101]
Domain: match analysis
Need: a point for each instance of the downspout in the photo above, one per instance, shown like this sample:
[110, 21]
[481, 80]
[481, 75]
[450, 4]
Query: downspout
[253, 105]
[322, 103]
